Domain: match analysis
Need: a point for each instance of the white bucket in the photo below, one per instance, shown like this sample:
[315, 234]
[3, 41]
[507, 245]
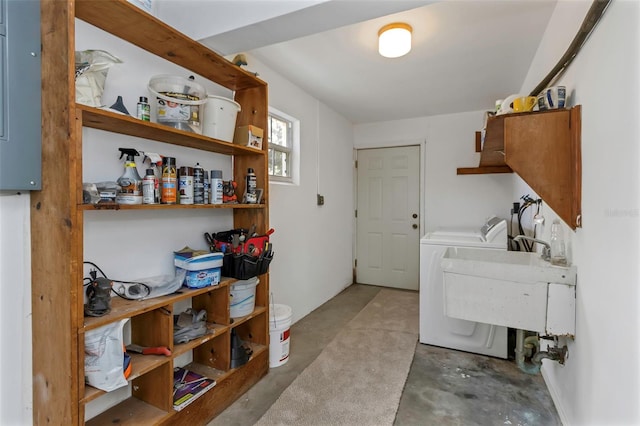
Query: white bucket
[243, 297]
[176, 102]
[219, 120]
[279, 334]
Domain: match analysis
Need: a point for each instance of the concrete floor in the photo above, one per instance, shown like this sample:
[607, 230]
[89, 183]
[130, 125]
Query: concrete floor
[444, 387]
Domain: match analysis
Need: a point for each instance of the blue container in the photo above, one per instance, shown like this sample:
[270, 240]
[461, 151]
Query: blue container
[202, 271]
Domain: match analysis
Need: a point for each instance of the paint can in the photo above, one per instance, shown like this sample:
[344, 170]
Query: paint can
[279, 334]
[185, 185]
[216, 187]
[207, 191]
[243, 297]
[198, 184]
[169, 181]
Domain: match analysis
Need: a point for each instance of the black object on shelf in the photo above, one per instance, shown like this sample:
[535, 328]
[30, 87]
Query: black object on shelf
[240, 352]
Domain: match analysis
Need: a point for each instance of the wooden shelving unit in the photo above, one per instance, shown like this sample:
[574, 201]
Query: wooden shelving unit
[59, 326]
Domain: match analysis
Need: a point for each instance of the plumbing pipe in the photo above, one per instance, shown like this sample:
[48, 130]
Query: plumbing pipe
[588, 24]
[532, 341]
[555, 353]
[527, 368]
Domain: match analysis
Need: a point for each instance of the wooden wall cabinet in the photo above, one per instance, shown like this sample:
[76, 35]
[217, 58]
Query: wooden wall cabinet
[543, 148]
[57, 217]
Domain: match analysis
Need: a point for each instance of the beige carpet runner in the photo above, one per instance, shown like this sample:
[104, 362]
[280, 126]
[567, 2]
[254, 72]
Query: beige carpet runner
[358, 378]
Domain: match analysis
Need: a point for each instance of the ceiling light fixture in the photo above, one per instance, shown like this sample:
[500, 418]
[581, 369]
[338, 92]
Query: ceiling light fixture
[394, 40]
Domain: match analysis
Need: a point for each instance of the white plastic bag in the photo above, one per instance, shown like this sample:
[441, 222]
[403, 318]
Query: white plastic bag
[104, 357]
[92, 67]
[147, 288]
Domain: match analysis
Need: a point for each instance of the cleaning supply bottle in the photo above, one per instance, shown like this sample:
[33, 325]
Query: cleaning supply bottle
[149, 184]
[143, 109]
[216, 187]
[207, 191]
[250, 194]
[130, 182]
[198, 184]
[558, 252]
[155, 163]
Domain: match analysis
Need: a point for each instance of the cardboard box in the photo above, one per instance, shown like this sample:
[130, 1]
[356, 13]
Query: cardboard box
[250, 136]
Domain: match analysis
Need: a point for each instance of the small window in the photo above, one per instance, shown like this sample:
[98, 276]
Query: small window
[283, 137]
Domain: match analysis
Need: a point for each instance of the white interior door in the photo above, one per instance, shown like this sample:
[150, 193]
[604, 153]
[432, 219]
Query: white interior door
[387, 222]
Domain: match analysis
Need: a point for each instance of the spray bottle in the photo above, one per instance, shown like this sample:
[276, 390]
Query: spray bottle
[130, 182]
[250, 194]
[155, 162]
[198, 184]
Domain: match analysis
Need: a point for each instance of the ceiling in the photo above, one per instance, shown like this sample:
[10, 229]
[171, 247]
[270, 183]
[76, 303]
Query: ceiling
[465, 54]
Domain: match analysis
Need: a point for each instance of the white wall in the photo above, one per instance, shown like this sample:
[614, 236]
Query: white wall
[448, 199]
[599, 383]
[15, 310]
[300, 277]
[313, 260]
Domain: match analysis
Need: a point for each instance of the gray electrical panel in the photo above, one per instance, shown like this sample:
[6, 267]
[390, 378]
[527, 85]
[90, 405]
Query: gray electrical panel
[20, 91]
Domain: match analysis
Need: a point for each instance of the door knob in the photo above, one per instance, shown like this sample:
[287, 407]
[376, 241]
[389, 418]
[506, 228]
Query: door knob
[414, 226]
[415, 216]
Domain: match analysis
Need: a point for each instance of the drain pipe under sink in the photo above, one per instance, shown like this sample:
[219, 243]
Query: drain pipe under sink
[554, 353]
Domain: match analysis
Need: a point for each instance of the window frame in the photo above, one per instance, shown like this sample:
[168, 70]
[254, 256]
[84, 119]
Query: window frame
[293, 138]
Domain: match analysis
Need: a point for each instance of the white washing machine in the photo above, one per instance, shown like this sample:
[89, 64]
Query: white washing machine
[438, 329]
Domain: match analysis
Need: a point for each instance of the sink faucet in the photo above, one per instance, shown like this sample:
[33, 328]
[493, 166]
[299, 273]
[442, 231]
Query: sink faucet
[546, 250]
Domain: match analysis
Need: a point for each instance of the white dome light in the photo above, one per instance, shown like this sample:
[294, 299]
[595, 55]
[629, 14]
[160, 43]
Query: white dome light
[394, 40]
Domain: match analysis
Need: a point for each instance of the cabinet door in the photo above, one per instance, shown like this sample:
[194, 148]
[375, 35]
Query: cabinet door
[544, 150]
[20, 82]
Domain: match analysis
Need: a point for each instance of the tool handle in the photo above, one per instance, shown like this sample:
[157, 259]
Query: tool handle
[160, 350]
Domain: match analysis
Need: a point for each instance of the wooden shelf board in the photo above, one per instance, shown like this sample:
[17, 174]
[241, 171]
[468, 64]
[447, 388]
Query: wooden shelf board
[140, 364]
[483, 170]
[101, 119]
[240, 320]
[213, 331]
[210, 372]
[133, 24]
[101, 207]
[121, 308]
[131, 411]
[218, 375]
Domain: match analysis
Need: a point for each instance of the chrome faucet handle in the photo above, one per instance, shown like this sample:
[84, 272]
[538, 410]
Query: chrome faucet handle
[546, 249]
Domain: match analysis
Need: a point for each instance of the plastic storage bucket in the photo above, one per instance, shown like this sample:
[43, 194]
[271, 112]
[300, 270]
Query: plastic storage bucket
[176, 102]
[279, 334]
[219, 118]
[243, 297]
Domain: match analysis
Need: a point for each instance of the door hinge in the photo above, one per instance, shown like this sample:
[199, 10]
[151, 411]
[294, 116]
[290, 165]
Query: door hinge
[356, 164]
[356, 213]
[355, 263]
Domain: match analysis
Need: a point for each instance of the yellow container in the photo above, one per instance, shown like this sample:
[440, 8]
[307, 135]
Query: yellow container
[524, 103]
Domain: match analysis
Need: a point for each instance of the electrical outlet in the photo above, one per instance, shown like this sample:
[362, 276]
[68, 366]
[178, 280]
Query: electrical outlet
[320, 200]
[516, 208]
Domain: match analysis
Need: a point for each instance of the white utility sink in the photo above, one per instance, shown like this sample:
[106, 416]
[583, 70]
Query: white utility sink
[512, 289]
